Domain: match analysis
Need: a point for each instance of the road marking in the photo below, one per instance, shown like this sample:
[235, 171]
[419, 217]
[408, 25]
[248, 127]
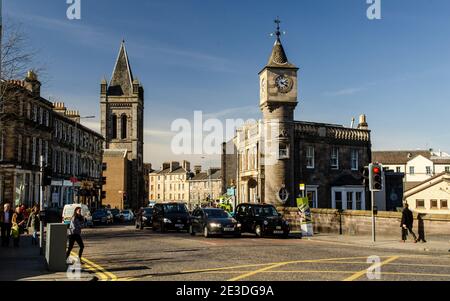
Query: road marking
[100, 271]
[274, 265]
[364, 272]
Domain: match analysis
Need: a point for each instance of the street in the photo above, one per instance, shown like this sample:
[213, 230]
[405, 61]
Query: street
[125, 254]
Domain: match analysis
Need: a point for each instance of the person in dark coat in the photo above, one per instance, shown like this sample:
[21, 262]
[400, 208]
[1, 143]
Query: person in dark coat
[6, 216]
[76, 224]
[407, 224]
[33, 225]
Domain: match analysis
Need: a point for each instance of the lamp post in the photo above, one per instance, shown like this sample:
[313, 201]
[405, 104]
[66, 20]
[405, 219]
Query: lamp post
[75, 145]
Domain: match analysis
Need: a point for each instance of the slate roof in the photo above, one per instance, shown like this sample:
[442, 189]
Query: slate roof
[398, 157]
[122, 77]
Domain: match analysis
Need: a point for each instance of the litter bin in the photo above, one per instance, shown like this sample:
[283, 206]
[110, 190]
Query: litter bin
[56, 246]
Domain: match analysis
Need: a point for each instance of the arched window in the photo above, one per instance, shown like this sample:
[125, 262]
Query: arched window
[114, 126]
[124, 120]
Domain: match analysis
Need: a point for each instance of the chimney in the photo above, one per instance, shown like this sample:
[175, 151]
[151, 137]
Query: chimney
[186, 165]
[197, 169]
[74, 115]
[165, 165]
[60, 108]
[32, 84]
[174, 165]
[363, 123]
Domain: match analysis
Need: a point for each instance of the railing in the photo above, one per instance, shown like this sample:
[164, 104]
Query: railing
[334, 132]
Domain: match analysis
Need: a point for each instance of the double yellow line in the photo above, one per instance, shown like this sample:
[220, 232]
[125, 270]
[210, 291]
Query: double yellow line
[99, 271]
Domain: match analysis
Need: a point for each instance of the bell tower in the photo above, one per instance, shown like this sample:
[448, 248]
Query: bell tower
[122, 121]
[278, 100]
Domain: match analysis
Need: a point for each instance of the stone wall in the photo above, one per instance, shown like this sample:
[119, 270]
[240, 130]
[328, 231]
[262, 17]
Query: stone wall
[387, 223]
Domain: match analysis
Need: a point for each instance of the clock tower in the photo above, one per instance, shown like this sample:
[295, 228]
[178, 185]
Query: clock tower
[278, 100]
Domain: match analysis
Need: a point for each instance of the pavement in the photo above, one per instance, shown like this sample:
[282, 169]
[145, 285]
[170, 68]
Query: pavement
[122, 253]
[26, 264]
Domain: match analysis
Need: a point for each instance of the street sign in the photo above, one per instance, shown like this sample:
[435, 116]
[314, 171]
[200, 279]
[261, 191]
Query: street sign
[302, 187]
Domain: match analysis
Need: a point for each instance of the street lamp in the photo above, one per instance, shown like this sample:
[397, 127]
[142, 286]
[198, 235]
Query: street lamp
[75, 145]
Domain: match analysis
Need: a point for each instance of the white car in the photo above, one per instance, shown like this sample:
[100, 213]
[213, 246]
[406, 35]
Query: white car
[69, 210]
[128, 215]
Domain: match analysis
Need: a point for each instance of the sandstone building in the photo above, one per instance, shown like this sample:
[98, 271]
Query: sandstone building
[122, 125]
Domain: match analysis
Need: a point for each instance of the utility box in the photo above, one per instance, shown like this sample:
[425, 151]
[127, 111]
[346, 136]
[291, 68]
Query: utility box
[56, 246]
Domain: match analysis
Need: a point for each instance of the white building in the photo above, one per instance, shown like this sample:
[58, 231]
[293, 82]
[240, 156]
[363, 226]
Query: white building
[418, 166]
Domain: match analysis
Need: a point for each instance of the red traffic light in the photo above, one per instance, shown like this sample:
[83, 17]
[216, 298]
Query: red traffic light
[376, 170]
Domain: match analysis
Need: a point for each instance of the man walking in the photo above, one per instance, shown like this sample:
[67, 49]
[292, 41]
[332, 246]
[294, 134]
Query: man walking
[6, 216]
[407, 224]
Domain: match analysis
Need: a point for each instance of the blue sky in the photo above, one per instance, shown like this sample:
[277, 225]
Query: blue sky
[205, 55]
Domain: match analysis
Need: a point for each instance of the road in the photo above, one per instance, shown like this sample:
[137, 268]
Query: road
[126, 254]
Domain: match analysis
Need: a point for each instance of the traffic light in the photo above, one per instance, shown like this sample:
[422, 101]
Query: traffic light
[47, 176]
[375, 177]
[365, 176]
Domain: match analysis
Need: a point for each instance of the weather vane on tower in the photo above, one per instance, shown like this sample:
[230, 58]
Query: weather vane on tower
[277, 33]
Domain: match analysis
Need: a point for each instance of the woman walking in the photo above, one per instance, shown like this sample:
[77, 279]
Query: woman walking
[76, 224]
[33, 225]
[18, 223]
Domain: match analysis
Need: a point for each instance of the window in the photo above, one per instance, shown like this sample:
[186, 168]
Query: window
[33, 151]
[284, 151]
[411, 170]
[355, 159]
[444, 204]
[19, 148]
[428, 170]
[358, 200]
[114, 126]
[123, 127]
[335, 158]
[433, 204]
[447, 169]
[349, 200]
[420, 204]
[398, 169]
[310, 157]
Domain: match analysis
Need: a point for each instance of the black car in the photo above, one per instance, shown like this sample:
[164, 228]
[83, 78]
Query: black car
[144, 218]
[171, 216]
[261, 219]
[102, 216]
[117, 216]
[212, 221]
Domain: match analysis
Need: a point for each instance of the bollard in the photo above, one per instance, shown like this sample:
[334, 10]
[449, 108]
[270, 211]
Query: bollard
[56, 246]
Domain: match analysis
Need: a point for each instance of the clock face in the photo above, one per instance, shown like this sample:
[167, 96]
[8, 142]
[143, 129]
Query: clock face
[284, 84]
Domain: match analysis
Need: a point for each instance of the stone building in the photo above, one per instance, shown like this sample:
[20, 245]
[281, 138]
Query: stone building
[170, 183]
[77, 154]
[32, 126]
[122, 123]
[115, 169]
[25, 134]
[271, 158]
[204, 186]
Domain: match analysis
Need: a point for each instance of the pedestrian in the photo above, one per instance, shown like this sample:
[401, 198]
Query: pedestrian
[407, 224]
[18, 223]
[33, 225]
[76, 224]
[6, 224]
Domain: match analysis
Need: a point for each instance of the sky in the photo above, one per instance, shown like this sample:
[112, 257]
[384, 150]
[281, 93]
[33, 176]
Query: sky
[205, 55]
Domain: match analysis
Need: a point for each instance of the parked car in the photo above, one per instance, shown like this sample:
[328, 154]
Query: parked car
[117, 216]
[128, 215]
[145, 220]
[69, 210]
[102, 216]
[171, 216]
[212, 221]
[261, 219]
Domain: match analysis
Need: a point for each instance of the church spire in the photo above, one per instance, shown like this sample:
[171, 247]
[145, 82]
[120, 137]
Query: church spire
[122, 77]
[278, 57]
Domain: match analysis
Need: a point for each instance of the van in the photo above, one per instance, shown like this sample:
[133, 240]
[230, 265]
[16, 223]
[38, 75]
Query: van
[69, 210]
